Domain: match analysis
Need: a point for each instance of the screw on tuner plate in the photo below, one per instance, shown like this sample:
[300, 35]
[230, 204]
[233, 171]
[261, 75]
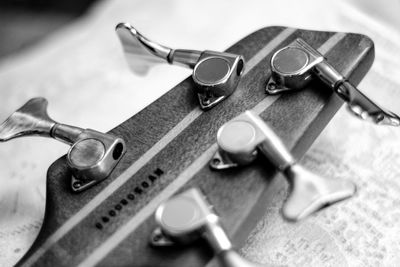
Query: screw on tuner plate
[216, 74]
[188, 216]
[243, 137]
[294, 66]
[92, 156]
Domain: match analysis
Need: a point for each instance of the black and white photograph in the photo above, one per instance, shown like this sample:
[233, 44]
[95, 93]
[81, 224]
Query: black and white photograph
[215, 133]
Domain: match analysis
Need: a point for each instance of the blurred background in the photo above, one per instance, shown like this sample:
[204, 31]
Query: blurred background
[67, 51]
[26, 22]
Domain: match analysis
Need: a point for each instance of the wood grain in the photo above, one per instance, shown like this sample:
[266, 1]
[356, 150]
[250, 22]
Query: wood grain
[237, 195]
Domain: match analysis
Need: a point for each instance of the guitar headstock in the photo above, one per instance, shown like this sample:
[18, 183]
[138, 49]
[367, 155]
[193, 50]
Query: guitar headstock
[169, 145]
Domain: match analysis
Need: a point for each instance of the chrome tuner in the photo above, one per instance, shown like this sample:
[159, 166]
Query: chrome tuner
[92, 156]
[240, 140]
[294, 66]
[187, 217]
[216, 74]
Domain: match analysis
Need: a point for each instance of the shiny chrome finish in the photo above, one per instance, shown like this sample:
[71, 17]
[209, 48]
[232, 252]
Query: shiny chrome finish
[216, 74]
[221, 161]
[187, 217]
[291, 68]
[92, 156]
[241, 138]
[294, 66]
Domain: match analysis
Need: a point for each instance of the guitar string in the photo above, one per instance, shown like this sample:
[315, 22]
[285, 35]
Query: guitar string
[127, 174]
[112, 242]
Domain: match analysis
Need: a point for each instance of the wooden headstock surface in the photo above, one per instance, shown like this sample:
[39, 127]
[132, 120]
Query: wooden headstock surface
[169, 145]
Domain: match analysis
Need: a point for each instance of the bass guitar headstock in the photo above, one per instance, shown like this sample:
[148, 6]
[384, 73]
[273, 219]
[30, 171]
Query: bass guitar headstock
[171, 146]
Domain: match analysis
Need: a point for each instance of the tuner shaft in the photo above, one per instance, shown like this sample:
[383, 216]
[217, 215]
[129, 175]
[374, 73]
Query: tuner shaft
[66, 133]
[186, 58]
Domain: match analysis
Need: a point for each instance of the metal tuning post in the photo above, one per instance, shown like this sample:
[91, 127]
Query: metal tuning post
[92, 156]
[187, 217]
[243, 137]
[294, 66]
[216, 74]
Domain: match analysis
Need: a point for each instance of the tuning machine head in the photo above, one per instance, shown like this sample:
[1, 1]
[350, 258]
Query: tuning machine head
[240, 139]
[187, 217]
[295, 65]
[216, 74]
[92, 155]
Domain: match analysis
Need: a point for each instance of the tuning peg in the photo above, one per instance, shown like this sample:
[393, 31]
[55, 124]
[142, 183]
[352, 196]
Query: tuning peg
[187, 217]
[92, 155]
[243, 137]
[294, 66]
[216, 74]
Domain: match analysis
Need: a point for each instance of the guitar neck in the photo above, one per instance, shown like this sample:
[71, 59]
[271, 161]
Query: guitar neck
[170, 144]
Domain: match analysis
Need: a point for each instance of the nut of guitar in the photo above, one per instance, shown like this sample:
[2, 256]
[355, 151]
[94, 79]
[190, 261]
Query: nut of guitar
[92, 156]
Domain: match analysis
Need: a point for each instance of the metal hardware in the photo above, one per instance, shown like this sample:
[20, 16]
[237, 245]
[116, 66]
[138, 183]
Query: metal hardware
[216, 74]
[294, 66]
[241, 138]
[187, 217]
[92, 156]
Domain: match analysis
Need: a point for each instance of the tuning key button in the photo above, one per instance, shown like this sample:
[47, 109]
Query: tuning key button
[295, 65]
[188, 216]
[92, 155]
[216, 74]
[240, 139]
